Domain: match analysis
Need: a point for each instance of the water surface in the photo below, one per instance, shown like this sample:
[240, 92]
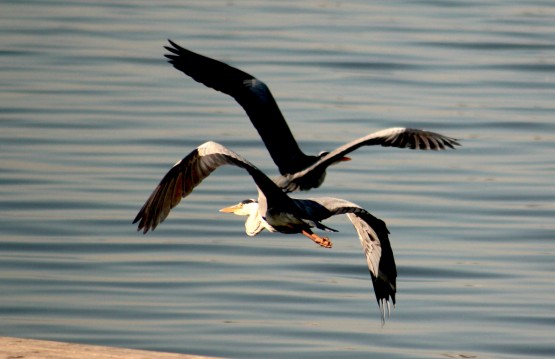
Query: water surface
[92, 116]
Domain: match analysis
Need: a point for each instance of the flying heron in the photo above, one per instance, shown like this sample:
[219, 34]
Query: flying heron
[298, 170]
[275, 211]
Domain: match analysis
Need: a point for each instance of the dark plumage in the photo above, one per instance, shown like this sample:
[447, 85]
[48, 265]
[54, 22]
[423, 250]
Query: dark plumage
[299, 171]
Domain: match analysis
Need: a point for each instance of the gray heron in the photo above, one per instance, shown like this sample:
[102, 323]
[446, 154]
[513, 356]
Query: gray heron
[275, 211]
[298, 170]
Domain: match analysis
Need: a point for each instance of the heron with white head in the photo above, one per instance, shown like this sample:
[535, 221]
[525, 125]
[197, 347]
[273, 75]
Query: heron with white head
[275, 211]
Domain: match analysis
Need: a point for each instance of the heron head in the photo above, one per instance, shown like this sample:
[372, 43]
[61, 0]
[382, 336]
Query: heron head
[243, 208]
[341, 159]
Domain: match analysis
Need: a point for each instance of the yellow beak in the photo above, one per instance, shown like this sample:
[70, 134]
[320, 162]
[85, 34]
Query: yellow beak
[231, 209]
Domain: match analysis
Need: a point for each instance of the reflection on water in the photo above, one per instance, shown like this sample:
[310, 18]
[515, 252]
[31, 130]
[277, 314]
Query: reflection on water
[92, 117]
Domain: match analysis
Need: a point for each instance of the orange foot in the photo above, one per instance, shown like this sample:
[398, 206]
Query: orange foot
[322, 241]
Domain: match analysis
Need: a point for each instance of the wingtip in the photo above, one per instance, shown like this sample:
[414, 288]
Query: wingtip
[175, 49]
[171, 57]
[142, 226]
[385, 307]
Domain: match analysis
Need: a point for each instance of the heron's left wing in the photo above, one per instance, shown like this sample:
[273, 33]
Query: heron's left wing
[399, 137]
[374, 238]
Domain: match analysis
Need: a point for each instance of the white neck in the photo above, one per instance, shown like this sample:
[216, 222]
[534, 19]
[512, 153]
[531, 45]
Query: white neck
[254, 223]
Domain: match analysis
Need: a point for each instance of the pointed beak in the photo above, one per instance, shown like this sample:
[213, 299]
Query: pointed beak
[342, 159]
[230, 209]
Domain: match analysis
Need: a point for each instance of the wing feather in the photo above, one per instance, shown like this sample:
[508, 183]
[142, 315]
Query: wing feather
[255, 98]
[374, 238]
[399, 137]
[188, 173]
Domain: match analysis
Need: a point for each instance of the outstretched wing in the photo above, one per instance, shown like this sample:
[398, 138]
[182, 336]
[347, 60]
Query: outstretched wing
[399, 137]
[255, 98]
[373, 233]
[188, 173]
[374, 238]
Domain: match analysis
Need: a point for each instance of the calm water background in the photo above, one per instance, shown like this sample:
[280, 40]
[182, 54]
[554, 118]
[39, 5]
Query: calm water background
[91, 117]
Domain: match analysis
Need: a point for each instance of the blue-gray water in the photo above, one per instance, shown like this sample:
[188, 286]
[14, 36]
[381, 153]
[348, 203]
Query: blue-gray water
[91, 117]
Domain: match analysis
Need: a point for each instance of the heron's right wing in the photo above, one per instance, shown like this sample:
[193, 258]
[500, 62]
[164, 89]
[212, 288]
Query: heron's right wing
[188, 173]
[252, 94]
